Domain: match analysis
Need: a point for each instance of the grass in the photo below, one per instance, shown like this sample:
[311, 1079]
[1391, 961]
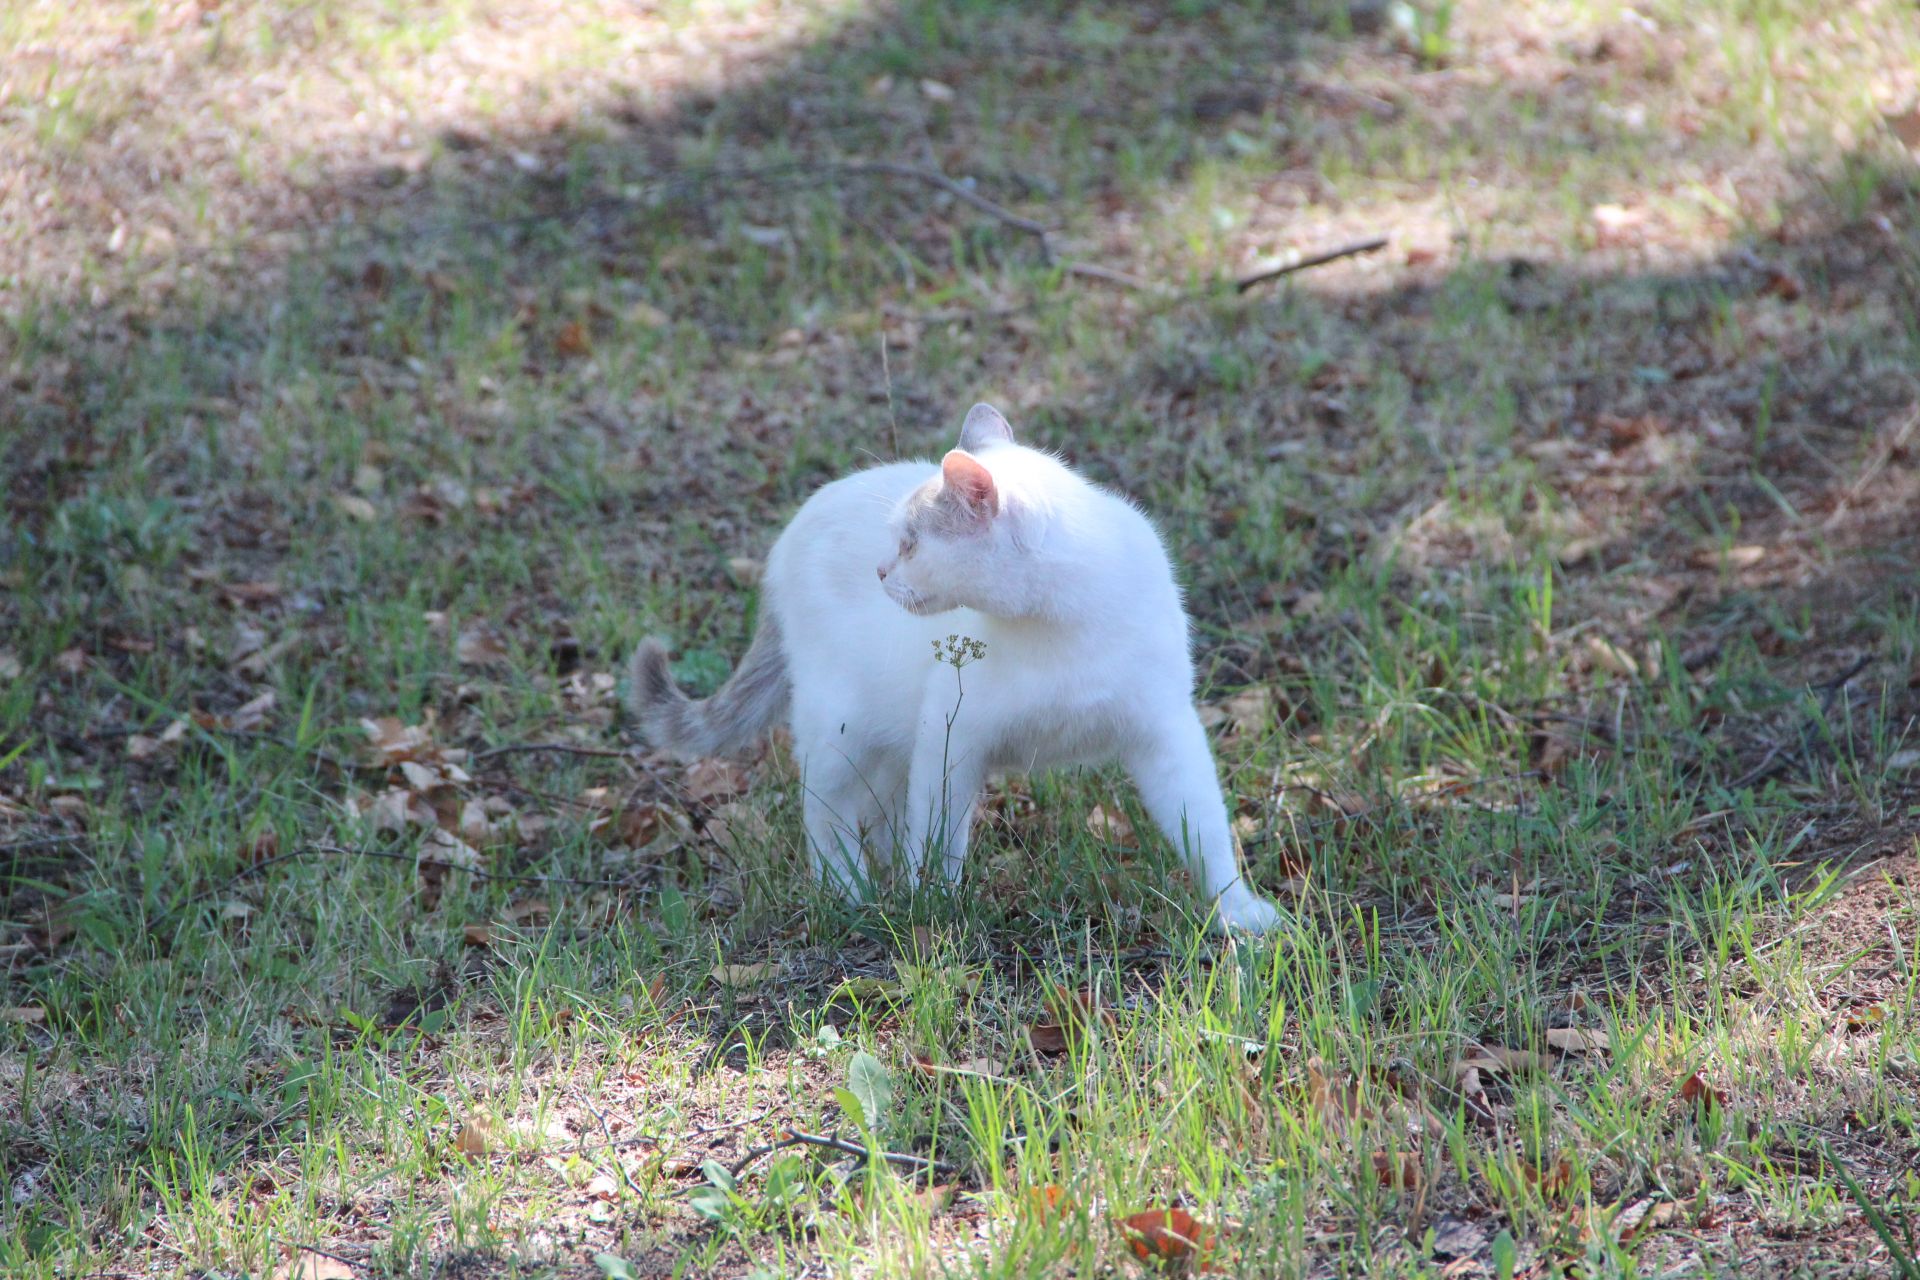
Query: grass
[1553, 578]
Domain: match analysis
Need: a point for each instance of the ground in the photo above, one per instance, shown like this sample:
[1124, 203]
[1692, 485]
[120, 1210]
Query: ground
[376, 375]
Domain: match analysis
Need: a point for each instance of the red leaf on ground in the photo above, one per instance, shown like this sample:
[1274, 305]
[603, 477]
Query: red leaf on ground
[1169, 1235]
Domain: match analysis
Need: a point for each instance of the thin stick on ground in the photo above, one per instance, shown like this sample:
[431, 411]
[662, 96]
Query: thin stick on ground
[552, 748]
[959, 191]
[798, 1138]
[1371, 244]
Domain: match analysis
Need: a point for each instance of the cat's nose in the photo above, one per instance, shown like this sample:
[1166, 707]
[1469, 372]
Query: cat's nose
[882, 571]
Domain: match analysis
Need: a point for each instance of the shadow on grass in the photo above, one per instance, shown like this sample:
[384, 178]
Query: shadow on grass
[572, 371]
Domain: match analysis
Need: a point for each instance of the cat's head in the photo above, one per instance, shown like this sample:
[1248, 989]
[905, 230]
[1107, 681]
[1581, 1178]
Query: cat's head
[954, 544]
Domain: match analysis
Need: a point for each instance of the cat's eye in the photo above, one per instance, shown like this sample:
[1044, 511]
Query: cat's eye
[906, 547]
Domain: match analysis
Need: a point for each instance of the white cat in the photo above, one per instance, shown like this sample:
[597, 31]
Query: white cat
[1083, 659]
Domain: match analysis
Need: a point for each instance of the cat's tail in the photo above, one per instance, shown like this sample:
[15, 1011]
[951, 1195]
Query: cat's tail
[738, 712]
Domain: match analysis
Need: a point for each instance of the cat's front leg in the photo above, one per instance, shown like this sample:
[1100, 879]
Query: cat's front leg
[1174, 771]
[943, 785]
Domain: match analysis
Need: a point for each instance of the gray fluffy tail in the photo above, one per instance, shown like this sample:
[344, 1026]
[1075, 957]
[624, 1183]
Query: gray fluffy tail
[743, 708]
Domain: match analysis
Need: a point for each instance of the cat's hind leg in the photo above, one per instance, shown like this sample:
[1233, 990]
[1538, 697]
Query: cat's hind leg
[1173, 768]
[835, 806]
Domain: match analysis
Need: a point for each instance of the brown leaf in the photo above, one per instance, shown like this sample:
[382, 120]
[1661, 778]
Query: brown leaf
[1696, 1091]
[1576, 1040]
[264, 845]
[1171, 1236]
[741, 975]
[240, 594]
[1644, 1217]
[1905, 126]
[71, 662]
[10, 667]
[477, 935]
[572, 340]
[476, 827]
[1049, 1202]
[475, 1137]
[1339, 1103]
[1479, 1109]
[1073, 1016]
[991, 1068]
[1111, 826]
[1401, 1174]
[355, 507]
[1500, 1059]
[250, 716]
[1612, 659]
[396, 809]
[305, 1264]
[1241, 715]
[1047, 1037]
[711, 781]
[71, 808]
[480, 645]
[1551, 1182]
[449, 849]
[1866, 1017]
[141, 747]
[393, 741]
[29, 1014]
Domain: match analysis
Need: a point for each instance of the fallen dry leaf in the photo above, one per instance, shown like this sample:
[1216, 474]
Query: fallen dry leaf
[1696, 1091]
[1111, 826]
[1503, 1060]
[30, 1014]
[711, 781]
[1401, 1173]
[1169, 1236]
[141, 747]
[251, 716]
[477, 935]
[1339, 1103]
[1866, 1017]
[262, 846]
[475, 1137]
[480, 645]
[71, 662]
[1904, 125]
[305, 1264]
[1047, 1037]
[239, 594]
[9, 665]
[391, 741]
[1644, 1217]
[572, 340]
[740, 975]
[446, 848]
[990, 1068]
[1551, 1182]
[355, 507]
[1576, 1040]
[1612, 659]
[1049, 1201]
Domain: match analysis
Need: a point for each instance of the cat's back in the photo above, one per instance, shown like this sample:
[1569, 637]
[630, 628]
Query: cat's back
[839, 535]
[855, 506]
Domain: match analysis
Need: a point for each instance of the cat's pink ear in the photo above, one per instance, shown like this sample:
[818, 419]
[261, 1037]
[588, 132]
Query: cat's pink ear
[970, 485]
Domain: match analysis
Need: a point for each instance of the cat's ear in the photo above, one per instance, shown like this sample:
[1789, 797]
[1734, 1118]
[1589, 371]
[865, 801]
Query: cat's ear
[984, 426]
[970, 485]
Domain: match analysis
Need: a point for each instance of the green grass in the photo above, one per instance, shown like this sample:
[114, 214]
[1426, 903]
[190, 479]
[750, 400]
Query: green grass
[1577, 557]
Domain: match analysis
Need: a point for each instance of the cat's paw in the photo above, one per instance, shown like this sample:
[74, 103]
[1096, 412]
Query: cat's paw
[1246, 913]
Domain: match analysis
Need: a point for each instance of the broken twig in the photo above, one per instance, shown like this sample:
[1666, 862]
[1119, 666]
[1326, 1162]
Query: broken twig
[1369, 245]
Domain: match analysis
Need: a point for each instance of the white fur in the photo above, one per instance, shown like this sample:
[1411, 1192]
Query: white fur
[1086, 660]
